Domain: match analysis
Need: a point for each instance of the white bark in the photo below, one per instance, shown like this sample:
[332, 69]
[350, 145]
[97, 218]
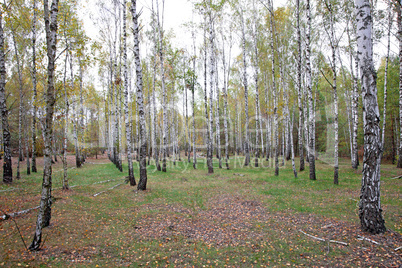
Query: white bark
[384, 117]
[311, 119]
[142, 184]
[45, 203]
[164, 94]
[245, 84]
[399, 7]
[370, 205]
[299, 87]
[274, 93]
[211, 93]
[7, 164]
[34, 93]
[126, 95]
[65, 141]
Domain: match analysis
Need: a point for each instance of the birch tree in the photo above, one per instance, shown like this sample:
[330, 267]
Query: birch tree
[299, 86]
[370, 212]
[245, 84]
[44, 215]
[211, 92]
[155, 147]
[399, 9]
[311, 155]
[34, 92]
[384, 117]
[274, 91]
[126, 108]
[65, 141]
[142, 184]
[164, 93]
[7, 163]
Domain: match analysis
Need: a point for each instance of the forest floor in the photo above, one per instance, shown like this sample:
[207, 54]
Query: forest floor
[242, 217]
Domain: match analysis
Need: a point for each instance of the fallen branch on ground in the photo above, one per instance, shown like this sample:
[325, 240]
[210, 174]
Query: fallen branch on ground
[398, 248]
[397, 177]
[15, 214]
[104, 181]
[322, 239]
[369, 240]
[117, 185]
[9, 190]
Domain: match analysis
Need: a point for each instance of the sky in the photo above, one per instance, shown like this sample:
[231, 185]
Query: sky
[177, 12]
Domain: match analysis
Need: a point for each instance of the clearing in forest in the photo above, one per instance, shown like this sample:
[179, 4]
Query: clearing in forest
[242, 217]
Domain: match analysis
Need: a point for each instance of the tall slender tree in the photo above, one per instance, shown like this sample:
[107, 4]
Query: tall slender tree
[384, 117]
[245, 84]
[299, 86]
[311, 118]
[211, 89]
[7, 164]
[126, 108]
[44, 214]
[399, 12]
[370, 212]
[142, 184]
[164, 93]
[274, 90]
[34, 92]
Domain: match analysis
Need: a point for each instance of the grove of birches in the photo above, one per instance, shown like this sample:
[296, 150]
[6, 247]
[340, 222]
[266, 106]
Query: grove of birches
[305, 81]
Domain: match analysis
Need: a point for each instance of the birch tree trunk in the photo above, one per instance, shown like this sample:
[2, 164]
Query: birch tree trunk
[75, 136]
[211, 93]
[299, 88]
[257, 96]
[311, 120]
[399, 7]
[217, 116]
[384, 117]
[335, 92]
[193, 101]
[7, 164]
[225, 96]
[164, 108]
[370, 205]
[142, 184]
[292, 144]
[274, 93]
[26, 137]
[46, 202]
[81, 123]
[155, 147]
[354, 101]
[34, 93]
[64, 159]
[173, 131]
[20, 84]
[188, 146]
[131, 177]
[246, 141]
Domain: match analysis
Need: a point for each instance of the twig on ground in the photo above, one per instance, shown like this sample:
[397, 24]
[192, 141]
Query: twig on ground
[15, 214]
[117, 185]
[398, 248]
[9, 190]
[362, 238]
[327, 226]
[322, 239]
[18, 229]
[397, 177]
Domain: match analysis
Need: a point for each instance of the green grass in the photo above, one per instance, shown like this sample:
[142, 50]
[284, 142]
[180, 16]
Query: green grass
[158, 227]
